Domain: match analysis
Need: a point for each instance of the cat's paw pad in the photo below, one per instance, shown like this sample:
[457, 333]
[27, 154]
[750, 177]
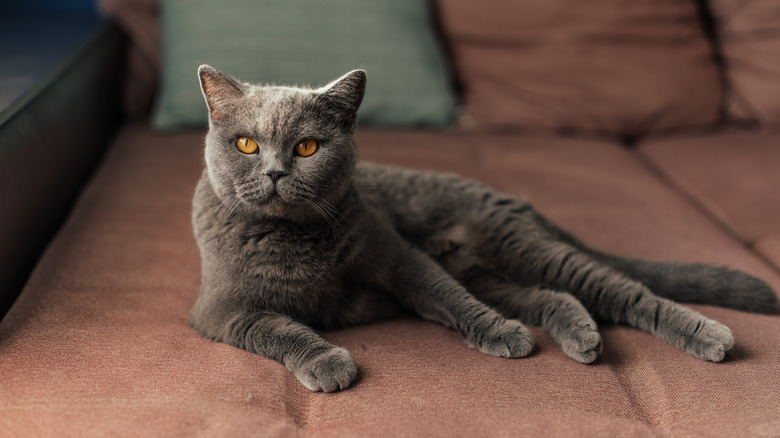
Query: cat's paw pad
[331, 371]
[506, 338]
[708, 340]
[582, 344]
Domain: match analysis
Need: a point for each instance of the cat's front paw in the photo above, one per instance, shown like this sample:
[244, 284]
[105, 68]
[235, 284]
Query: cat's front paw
[506, 338]
[331, 371]
[708, 340]
[583, 343]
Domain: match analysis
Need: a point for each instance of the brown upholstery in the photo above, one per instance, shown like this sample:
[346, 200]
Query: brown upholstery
[98, 343]
[734, 176]
[749, 32]
[623, 67]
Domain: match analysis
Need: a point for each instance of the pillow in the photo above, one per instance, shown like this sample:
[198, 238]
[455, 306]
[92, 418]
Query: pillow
[749, 32]
[307, 42]
[615, 67]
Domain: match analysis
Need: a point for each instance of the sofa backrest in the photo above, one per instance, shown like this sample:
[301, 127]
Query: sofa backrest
[748, 37]
[623, 68]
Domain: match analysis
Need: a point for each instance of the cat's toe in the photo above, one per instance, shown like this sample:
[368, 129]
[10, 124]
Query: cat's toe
[583, 344]
[331, 371]
[508, 338]
[709, 341]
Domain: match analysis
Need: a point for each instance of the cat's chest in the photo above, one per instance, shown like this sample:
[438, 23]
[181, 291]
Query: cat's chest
[288, 257]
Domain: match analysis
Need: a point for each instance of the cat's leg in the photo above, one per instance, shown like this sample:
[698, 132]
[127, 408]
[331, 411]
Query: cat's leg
[558, 313]
[423, 286]
[610, 295]
[316, 363]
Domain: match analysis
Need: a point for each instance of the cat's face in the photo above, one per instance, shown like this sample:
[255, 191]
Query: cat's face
[279, 151]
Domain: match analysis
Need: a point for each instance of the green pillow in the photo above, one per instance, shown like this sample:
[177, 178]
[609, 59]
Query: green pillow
[307, 42]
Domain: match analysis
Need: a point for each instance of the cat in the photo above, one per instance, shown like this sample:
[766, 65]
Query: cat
[292, 242]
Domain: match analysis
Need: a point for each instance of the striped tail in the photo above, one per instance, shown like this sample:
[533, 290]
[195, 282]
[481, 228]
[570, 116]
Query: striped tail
[698, 283]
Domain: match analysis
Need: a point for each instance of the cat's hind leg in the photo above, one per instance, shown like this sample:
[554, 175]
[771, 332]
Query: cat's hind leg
[610, 295]
[558, 313]
[424, 287]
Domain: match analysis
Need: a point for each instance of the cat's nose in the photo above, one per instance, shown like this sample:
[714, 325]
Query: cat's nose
[275, 175]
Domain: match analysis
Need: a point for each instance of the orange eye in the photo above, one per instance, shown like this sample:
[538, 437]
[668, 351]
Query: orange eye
[306, 148]
[246, 145]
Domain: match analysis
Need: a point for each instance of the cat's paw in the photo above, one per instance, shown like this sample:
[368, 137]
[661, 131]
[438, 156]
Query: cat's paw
[505, 338]
[708, 340]
[331, 371]
[582, 343]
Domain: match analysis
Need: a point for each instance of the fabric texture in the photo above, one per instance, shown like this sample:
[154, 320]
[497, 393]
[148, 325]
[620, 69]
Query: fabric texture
[618, 67]
[749, 33]
[98, 344]
[734, 176]
[307, 43]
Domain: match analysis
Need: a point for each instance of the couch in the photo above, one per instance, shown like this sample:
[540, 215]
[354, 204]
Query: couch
[646, 128]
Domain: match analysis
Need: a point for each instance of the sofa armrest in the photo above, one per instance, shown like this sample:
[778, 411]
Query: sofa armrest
[58, 108]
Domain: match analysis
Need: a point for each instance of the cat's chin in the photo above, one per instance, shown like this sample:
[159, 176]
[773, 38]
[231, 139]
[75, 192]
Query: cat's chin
[276, 207]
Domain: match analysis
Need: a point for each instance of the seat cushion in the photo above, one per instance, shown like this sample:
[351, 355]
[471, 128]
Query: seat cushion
[98, 342]
[733, 176]
[621, 67]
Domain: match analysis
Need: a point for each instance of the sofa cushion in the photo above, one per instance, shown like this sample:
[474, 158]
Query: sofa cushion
[733, 176]
[621, 67]
[98, 342]
[749, 32]
[307, 42]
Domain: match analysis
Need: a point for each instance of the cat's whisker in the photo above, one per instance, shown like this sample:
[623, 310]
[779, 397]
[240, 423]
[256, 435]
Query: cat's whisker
[221, 207]
[233, 206]
[325, 215]
[330, 207]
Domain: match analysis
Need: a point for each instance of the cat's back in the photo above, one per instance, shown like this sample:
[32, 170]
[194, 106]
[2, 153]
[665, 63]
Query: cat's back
[418, 199]
[399, 188]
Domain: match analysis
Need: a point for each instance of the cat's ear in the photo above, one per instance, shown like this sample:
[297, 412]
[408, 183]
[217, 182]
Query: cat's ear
[220, 91]
[346, 93]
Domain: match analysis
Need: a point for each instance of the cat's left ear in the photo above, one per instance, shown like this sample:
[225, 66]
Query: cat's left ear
[346, 93]
[220, 91]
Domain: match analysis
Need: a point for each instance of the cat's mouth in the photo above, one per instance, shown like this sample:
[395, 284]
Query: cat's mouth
[259, 194]
[272, 202]
[273, 198]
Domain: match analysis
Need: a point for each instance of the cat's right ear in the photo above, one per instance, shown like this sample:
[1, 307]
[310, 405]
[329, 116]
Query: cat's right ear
[220, 91]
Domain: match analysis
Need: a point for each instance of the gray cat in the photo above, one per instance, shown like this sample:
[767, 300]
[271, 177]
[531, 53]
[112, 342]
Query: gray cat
[290, 243]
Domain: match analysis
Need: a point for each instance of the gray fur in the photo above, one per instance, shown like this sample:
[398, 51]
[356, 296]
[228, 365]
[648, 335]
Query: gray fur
[331, 244]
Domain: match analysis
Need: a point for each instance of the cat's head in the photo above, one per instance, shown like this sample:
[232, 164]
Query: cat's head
[280, 151]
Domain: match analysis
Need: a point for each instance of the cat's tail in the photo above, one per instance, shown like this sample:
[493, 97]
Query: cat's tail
[687, 282]
[698, 283]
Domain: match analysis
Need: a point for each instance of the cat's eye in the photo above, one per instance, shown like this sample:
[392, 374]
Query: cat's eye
[306, 148]
[246, 145]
